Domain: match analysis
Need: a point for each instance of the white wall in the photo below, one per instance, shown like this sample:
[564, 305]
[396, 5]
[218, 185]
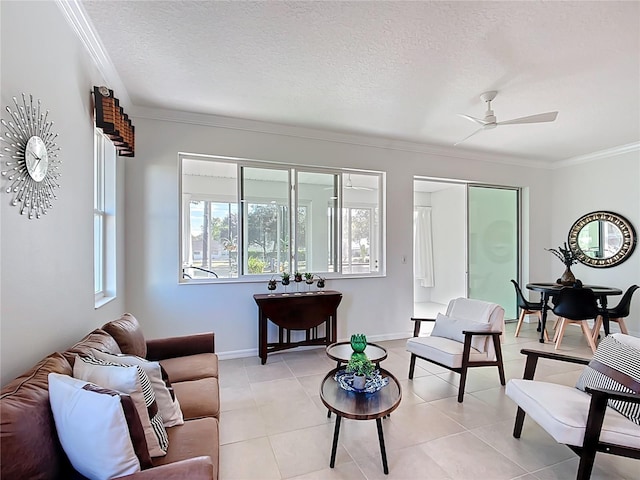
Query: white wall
[379, 307]
[46, 280]
[610, 183]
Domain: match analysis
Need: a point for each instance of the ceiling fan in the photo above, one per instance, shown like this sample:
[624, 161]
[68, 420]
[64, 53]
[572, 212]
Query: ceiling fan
[489, 121]
[348, 185]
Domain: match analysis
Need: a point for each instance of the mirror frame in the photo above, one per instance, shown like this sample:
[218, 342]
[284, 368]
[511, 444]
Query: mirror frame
[629, 239]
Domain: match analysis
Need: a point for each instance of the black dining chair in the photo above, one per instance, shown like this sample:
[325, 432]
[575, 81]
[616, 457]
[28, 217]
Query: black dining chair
[616, 314]
[527, 308]
[575, 306]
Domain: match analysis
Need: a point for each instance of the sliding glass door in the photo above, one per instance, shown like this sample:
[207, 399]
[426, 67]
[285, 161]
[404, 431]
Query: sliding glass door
[493, 245]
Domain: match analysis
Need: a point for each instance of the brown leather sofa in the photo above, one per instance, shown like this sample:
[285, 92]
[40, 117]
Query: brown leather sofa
[30, 447]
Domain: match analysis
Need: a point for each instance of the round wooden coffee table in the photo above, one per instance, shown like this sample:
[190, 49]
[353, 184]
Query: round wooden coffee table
[341, 352]
[359, 406]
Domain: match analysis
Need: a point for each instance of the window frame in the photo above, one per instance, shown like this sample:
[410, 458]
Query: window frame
[104, 211]
[293, 202]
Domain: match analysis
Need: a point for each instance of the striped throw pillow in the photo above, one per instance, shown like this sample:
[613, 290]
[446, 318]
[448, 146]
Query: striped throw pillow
[112, 375]
[165, 396]
[615, 366]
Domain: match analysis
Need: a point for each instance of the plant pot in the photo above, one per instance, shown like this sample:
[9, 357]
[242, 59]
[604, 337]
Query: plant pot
[567, 278]
[359, 381]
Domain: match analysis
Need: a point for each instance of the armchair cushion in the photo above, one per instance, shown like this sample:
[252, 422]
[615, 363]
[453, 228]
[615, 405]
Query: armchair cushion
[562, 411]
[452, 327]
[442, 350]
[479, 311]
[611, 369]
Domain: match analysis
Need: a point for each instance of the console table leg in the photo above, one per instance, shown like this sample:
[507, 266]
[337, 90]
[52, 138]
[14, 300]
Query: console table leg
[336, 432]
[383, 451]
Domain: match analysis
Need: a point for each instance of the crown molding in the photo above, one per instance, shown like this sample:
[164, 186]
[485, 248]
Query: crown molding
[356, 139]
[590, 157]
[76, 16]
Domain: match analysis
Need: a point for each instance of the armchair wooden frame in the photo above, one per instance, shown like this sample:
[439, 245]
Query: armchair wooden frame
[597, 410]
[466, 362]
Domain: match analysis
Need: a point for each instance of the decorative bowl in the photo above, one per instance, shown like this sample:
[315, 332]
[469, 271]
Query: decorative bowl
[374, 383]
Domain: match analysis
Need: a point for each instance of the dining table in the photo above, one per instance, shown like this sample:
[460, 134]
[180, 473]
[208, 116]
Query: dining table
[549, 290]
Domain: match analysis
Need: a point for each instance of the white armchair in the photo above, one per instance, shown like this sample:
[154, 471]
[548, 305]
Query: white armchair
[601, 415]
[467, 336]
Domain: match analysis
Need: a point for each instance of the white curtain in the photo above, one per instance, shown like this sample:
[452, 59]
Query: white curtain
[187, 250]
[423, 247]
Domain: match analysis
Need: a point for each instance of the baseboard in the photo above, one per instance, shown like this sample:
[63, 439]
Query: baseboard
[253, 352]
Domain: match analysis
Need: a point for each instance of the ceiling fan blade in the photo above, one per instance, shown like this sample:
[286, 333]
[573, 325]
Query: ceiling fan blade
[469, 136]
[473, 119]
[540, 118]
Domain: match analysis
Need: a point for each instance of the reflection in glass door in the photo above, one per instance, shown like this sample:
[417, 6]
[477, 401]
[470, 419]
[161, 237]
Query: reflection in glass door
[493, 243]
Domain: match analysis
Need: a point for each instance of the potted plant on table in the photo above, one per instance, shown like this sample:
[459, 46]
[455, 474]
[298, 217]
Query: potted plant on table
[285, 281]
[308, 279]
[361, 367]
[566, 256]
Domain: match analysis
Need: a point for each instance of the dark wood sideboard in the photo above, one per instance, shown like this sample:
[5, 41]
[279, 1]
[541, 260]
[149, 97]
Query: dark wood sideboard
[296, 312]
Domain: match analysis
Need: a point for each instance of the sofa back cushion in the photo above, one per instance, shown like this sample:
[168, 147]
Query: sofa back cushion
[127, 333]
[29, 445]
[98, 339]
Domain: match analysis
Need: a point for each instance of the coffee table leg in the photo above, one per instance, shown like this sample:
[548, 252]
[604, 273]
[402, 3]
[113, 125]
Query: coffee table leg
[336, 432]
[383, 451]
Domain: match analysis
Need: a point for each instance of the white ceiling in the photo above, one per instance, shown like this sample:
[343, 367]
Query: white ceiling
[401, 70]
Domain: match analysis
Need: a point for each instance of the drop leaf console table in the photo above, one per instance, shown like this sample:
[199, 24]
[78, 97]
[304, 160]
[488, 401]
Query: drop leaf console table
[291, 312]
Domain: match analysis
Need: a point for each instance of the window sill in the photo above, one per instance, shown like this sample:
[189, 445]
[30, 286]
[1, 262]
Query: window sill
[266, 278]
[103, 301]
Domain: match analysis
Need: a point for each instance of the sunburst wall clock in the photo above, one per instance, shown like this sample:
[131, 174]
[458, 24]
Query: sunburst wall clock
[31, 157]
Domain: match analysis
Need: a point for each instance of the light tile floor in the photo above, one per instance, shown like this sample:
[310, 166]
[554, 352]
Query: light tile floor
[273, 424]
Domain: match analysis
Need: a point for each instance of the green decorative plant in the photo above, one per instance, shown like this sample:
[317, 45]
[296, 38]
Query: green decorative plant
[297, 277]
[359, 364]
[285, 278]
[308, 277]
[565, 254]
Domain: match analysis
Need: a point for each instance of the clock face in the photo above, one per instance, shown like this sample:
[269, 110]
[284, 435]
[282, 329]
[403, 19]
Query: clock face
[36, 158]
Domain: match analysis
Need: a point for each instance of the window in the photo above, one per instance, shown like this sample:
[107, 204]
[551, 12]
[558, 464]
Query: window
[244, 219]
[104, 222]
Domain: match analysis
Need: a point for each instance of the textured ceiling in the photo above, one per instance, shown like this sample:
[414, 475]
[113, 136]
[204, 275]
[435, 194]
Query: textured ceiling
[402, 70]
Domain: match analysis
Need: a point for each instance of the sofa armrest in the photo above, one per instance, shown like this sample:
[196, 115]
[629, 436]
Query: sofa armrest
[197, 468]
[172, 347]
[532, 360]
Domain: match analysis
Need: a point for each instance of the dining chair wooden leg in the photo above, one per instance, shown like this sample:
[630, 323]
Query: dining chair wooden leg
[520, 320]
[556, 330]
[560, 332]
[595, 332]
[623, 326]
[587, 333]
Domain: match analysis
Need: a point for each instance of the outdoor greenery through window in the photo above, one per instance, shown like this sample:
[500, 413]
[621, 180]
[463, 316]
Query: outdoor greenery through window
[242, 219]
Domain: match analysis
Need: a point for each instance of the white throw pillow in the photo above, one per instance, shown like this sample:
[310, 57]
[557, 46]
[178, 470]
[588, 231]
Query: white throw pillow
[99, 429]
[451, 327]
[133, 381]
[167, 401]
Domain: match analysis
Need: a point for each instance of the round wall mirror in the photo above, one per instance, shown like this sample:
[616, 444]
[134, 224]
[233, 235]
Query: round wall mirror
[602, 239]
